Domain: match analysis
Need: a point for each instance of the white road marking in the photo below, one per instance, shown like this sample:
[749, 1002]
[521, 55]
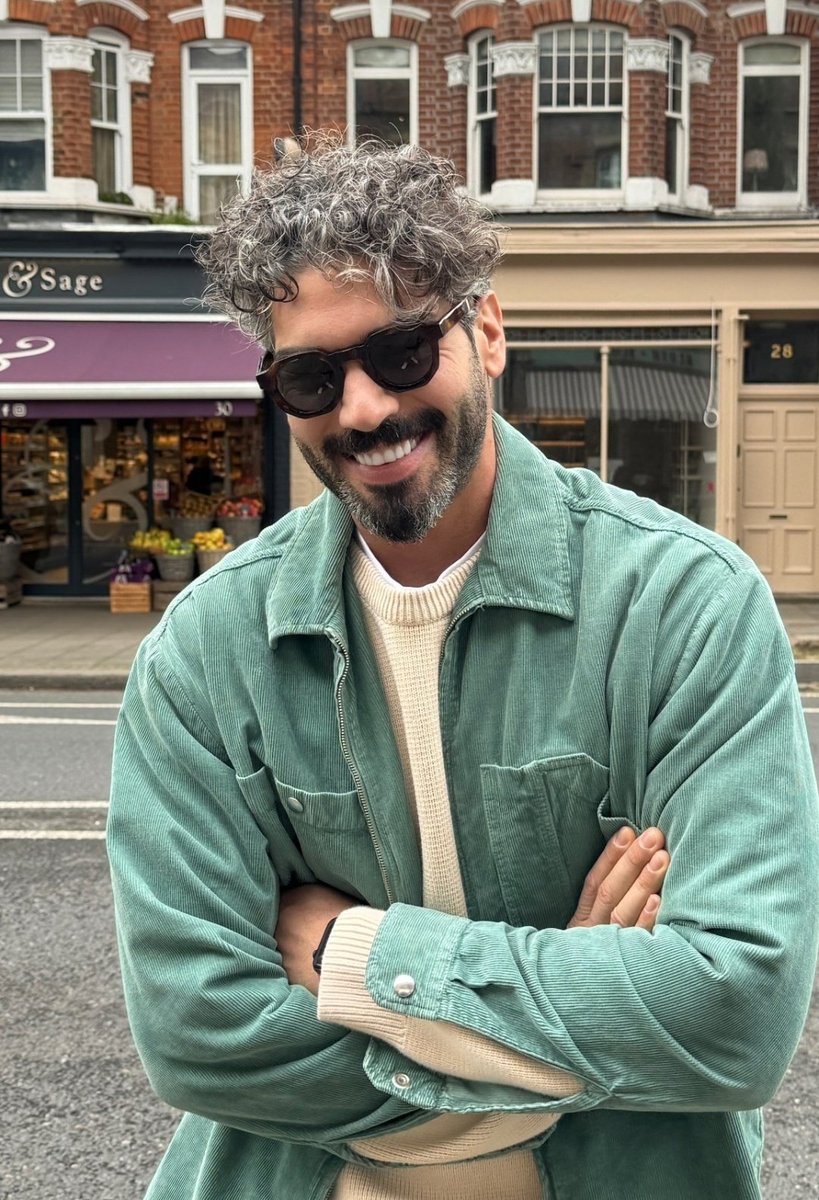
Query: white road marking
[52, 704]
[51, 834]
[50, 804]
[9, 720]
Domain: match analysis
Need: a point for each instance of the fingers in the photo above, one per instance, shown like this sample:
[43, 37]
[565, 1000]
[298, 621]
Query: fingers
[614, 850]
[622, 879]
[642, 894]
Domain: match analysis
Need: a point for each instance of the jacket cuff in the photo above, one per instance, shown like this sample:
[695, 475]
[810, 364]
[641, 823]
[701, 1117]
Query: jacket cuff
[342, 996]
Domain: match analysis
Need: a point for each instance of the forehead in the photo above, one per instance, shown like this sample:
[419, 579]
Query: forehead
[327, 314]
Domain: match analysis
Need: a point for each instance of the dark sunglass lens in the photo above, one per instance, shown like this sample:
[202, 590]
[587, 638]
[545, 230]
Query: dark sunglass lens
[403, 358]
[307, 383]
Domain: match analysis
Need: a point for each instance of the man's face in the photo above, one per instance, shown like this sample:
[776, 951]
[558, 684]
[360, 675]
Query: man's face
[396, 460]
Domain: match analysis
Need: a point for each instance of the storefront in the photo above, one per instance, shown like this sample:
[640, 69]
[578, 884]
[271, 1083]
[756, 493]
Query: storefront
[680, 361]
[121, 408]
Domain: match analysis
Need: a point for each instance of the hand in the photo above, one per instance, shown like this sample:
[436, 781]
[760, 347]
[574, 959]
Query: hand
[303, 915]
[623, 886]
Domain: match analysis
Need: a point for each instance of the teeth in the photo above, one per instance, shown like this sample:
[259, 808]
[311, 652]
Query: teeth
[388, 454]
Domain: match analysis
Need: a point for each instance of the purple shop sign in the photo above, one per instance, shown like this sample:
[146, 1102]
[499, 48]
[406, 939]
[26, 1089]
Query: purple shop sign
[123, 352]
[50, 410]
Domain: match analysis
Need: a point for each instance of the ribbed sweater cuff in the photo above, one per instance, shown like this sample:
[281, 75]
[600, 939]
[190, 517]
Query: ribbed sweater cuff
[342, 997]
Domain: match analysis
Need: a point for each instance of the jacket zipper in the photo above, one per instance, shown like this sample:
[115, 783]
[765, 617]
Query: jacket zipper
[354, 771]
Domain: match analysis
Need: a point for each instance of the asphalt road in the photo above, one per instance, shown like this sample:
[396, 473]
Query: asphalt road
[79, 1120]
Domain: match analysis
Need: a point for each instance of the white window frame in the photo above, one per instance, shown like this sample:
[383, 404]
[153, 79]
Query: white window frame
[190, 110]
[775, 200]
[110, 39]
[410, 72]
[572, 197]
[474, 118]
[683, 118]
[22, 33]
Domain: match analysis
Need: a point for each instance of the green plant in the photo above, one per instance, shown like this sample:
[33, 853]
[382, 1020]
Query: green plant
[115, 198]
[178, 217]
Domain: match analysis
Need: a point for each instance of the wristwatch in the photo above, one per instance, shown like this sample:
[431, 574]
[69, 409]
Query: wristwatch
[318, 953]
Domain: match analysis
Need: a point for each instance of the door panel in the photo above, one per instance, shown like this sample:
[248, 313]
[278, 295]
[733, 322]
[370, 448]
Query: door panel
[778, 509]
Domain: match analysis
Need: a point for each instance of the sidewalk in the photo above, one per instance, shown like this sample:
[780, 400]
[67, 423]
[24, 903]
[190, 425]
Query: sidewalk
[71, 645]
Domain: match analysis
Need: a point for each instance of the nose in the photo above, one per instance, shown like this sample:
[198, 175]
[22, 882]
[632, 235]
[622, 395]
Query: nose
[364, 403]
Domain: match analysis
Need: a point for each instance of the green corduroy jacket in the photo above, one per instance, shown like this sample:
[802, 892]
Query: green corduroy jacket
[607, 663]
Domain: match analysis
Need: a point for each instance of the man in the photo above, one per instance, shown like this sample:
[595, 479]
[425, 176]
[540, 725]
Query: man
[364, 767]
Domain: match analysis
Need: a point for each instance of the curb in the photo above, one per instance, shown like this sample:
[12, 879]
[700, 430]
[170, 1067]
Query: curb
[67, 681]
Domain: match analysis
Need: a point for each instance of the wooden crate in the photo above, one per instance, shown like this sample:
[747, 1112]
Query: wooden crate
[11, 592]
[164, 592]
[130, 597]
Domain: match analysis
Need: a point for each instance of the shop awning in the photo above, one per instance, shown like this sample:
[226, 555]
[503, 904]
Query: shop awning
[116, 361]
[636, 393]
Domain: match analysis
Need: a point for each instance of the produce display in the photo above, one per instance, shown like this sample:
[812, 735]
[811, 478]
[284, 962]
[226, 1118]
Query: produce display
[192, 504]
[159, 541]
[242, 506]
[214, 539]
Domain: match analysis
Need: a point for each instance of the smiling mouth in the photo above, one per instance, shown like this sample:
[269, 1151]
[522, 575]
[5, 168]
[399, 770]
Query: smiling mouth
[377, 458]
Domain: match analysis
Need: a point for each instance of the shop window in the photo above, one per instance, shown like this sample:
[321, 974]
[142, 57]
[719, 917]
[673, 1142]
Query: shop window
[217, 125]
[382, 92]
[676, 117]
[580, 109]
[482, 116]
[658, 404]
[110, 116]
[23, 112]
[773, 124]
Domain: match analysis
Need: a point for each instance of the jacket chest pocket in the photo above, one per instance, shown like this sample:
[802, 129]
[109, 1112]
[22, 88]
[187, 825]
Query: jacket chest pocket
[334, 840]
[544, 833]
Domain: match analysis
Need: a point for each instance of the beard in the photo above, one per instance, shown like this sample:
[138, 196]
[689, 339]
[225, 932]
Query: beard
[406, 511]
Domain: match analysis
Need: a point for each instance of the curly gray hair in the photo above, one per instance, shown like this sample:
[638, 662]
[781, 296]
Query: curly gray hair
[392, 216]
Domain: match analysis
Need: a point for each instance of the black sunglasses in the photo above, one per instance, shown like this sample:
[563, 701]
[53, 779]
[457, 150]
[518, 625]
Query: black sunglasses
[398, 358]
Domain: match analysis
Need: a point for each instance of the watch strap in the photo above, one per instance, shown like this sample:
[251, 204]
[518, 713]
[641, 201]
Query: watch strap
[318, 953]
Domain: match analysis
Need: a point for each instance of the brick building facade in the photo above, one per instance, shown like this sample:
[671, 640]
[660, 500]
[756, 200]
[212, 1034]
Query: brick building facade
[656, 163]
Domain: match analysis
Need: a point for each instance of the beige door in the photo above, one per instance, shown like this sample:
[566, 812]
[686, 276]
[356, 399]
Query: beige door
[778, 517]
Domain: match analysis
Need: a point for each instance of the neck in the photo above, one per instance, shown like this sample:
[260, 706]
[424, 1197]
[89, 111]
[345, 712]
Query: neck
[415, 564]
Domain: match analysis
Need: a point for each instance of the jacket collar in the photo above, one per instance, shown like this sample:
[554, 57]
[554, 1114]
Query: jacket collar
[527, 512]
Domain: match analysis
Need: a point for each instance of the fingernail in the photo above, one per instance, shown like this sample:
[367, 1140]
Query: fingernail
[657, 862]
[650, 839]
[652, 904]
[623, 837]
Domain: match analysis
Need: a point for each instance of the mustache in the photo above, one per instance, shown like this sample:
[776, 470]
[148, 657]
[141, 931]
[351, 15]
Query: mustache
[389, 433]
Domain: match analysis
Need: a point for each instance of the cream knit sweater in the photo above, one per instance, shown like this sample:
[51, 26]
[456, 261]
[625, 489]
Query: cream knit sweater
[407, 628]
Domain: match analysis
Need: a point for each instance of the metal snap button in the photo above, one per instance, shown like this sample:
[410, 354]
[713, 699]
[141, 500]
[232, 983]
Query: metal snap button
[401, 1080]
[403, 986]
[294, 804]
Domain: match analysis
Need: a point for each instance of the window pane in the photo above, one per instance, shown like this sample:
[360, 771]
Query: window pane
[97, 113]
[8, 94]
[616, 94]
[31, 56]
[8, 57]
[579, 150]
[487, 151]
[219, 129]
[672, 157]
[564, 40]
[563, 95]
[581, 41]
[31, 95]
[111, 104]
[218, 58]
[214, 191]
[382, 56]
[553, 398]
[658, 444]
[22, 155]
[772, 53]
[382, 109]
[96, 63]
[770, 143]
[111, 68]
[105, 160]
[546, 66]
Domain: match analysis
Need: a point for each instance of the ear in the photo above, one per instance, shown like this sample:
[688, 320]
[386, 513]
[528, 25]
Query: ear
[489, 336]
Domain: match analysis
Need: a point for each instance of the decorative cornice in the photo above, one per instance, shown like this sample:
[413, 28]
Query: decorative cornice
[745, 8]
[349, 12]
[463, 5]
[354, 12]
[126, 5]
[138, 64]
[699, 68]
[200, 12]
[647, 54]
[68, 54]
[514, 58]
[457, 70]
[694, 5]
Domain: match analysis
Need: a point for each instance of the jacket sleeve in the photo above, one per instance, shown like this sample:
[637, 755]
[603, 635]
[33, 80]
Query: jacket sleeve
[219, 1030]
[704, 1014]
